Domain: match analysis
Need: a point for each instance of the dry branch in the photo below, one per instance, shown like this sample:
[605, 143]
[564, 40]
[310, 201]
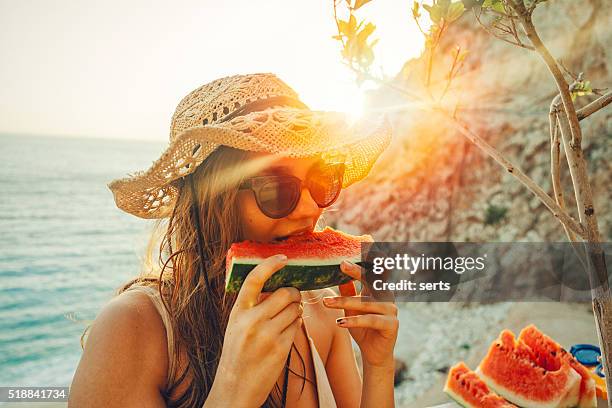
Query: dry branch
[594, 106]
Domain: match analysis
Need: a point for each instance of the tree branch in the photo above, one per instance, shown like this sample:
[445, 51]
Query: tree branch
[518, 43]
[555, 164]
[551, 204]
[553, 67]
[594, 106]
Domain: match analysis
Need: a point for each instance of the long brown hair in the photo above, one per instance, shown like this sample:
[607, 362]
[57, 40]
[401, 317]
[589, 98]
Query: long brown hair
[192, 285]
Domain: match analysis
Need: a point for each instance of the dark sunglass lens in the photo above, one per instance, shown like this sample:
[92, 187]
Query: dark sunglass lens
[278, 198]
[325, 184]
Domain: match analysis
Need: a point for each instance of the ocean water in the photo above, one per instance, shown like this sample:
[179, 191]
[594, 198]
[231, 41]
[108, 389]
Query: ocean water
[64, 247]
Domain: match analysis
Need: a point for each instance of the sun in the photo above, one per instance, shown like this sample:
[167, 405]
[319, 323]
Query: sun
[399, 40]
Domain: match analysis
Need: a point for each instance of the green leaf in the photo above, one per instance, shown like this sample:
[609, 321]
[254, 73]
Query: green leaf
[443, 4]
[367, 30]
[415, 10]
[352, 23]
[581, 89]
[496, 5]
[343, 27]
[435, 14]
[360, 3]
[499, 7]
[454, 11]
[359, 26]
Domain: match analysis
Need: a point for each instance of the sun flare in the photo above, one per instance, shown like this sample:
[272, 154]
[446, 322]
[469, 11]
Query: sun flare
[399, 40]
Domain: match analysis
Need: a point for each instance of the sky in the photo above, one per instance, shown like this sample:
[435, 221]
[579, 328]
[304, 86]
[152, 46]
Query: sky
[117, 69]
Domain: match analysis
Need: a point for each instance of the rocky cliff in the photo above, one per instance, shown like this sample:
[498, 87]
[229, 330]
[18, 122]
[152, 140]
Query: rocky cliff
[432, 184]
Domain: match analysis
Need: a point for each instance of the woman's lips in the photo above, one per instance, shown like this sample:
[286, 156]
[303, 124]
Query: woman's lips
[301, 231]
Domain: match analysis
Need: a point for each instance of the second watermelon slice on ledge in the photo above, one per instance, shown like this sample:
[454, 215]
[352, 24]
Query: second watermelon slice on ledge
[313, 260]
[530, 371]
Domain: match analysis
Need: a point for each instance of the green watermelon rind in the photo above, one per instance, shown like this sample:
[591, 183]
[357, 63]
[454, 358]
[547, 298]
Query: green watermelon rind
[306, 275]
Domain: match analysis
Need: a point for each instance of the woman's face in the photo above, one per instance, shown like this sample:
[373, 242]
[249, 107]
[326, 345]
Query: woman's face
[259, 227]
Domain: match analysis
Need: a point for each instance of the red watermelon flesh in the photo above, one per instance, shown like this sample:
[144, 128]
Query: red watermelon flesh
[313, 260]
[330, 242]
[465, 387]
[550, 354]
[514, 371]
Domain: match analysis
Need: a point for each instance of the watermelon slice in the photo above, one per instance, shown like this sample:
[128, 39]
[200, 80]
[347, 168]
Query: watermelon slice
[516, 373]
[549, 353]
[313, 260]
[468, 390]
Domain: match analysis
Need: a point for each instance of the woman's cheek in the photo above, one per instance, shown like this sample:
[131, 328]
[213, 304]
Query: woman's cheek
[256, 225]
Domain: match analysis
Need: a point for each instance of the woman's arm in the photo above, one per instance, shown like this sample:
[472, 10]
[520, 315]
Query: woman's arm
[125, 360]
[374, 326]
[378, 386]
[341, 366]
[376, 390]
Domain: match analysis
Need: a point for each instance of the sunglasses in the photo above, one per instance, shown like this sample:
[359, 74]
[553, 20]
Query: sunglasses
[277, 195]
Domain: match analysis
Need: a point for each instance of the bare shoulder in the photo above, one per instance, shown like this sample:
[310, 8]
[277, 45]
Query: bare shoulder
[125, 358]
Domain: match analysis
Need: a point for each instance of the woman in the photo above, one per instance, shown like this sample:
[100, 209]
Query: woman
[174, 337]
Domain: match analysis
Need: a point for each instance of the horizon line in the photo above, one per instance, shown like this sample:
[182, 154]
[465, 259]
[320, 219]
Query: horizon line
[4, 133]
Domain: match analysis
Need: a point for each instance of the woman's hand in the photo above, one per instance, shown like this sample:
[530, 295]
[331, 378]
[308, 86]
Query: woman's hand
[257, 340]
[372, 324]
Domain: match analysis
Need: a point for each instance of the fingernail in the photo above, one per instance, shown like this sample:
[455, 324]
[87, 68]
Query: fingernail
[347, 264]
[340, 321]
[329, 300]
[281, 257]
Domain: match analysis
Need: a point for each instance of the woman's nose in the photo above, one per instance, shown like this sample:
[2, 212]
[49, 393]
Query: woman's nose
[306, 207]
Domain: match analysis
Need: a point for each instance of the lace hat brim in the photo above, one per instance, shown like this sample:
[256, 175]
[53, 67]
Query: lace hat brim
[285, 131]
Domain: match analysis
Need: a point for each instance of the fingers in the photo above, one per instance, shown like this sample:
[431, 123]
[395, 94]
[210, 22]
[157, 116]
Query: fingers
[358, 304]
[351, 269]
[356, 272]
[255, 280]
[383, 323]
[285, 318]
[279, 300]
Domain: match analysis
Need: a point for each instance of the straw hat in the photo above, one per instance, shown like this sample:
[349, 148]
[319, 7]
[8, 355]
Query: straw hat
[256, 112]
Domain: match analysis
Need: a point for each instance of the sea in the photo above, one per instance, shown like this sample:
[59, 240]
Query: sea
[64, 247]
